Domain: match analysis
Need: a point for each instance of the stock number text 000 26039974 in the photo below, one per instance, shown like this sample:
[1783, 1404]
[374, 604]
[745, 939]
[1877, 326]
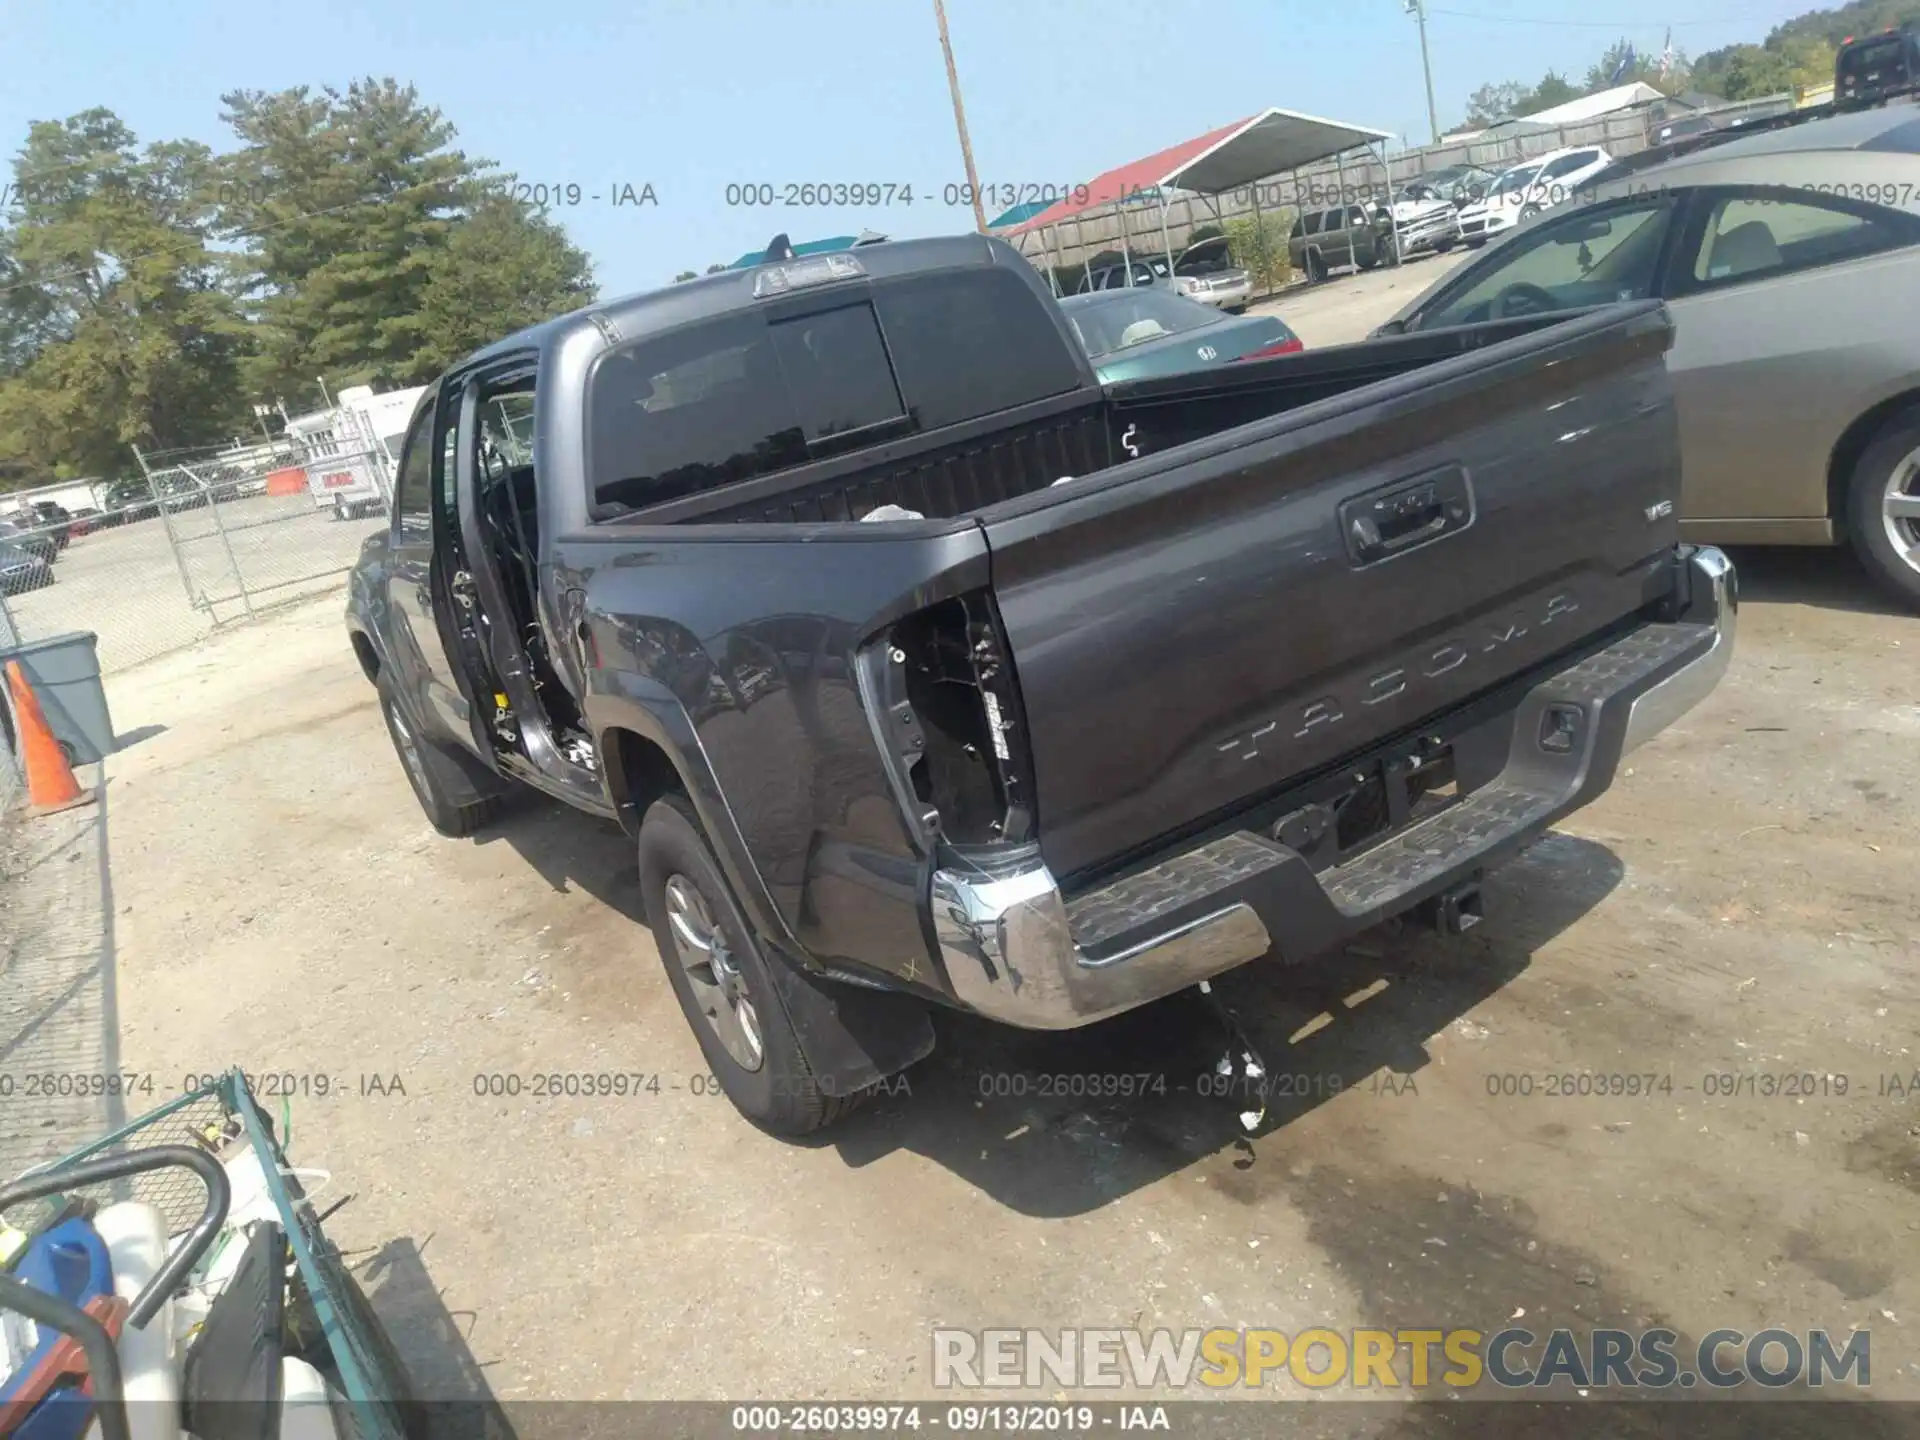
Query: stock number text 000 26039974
[876, 194]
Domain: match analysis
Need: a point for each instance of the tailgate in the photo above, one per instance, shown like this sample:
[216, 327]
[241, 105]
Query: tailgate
[1193, 630]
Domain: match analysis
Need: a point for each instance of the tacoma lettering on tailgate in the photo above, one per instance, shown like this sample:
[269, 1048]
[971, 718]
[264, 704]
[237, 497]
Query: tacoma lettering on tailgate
[1431, 663]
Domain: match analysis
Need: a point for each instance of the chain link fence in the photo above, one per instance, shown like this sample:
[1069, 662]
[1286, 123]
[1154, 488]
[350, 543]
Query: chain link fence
[200, 540]
[10, 775]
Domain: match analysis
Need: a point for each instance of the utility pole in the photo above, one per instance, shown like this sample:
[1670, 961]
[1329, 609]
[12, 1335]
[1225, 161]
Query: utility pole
[1418, 9]
[960, 117]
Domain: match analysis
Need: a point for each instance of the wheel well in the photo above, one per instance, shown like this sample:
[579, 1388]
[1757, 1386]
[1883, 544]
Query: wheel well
[1853, 444]
[364, 653]
[638, 773]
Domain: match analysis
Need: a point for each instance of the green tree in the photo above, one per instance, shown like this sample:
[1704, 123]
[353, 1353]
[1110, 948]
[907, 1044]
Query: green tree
[685, 275]
[340, 201]
[715, 269]
[1260, 247]
[1492, 103]
[116, 328]
[500, 269]
[1553, 89]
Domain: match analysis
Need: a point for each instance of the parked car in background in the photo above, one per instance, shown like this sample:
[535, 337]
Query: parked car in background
[1872, 69]
[22, 570]
[1121, 276]
[33, 541]
[1223, 284]
[1562, 175]
[1131, 334]
[42, 517]
[1458, 185]
[1362, 237]
[85, 519]
[1499, 209]
[130, 500]
[1795, 367]
[1683, 126]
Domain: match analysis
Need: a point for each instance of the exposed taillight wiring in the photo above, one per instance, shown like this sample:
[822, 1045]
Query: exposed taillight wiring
[940, 690]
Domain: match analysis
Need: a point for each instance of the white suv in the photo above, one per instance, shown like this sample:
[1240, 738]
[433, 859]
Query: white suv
[1524, 191]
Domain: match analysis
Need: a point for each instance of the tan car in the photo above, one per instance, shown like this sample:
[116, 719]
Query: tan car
[1791, 262]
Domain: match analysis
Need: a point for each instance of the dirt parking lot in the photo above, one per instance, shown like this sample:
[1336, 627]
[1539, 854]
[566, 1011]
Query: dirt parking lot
[156, 585]
[1735, 919]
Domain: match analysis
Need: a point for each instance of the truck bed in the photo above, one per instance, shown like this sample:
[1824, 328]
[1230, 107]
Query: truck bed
[974, 468]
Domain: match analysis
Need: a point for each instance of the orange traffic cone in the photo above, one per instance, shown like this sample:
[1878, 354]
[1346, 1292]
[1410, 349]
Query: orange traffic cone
[50, 783]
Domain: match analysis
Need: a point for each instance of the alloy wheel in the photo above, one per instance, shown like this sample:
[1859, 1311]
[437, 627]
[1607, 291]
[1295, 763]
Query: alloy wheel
[1900, 509]
[714, 973]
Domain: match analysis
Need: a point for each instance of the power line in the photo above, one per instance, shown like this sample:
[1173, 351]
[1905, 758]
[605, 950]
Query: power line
[1582, 24]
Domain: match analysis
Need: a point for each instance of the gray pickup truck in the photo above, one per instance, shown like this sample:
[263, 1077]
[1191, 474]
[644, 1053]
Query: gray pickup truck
[927, 671]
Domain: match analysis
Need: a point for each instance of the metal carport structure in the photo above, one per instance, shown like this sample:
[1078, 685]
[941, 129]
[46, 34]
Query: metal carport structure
[1273, 142]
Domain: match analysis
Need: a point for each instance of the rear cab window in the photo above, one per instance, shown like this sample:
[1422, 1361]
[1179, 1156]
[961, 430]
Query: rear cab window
[760, 391]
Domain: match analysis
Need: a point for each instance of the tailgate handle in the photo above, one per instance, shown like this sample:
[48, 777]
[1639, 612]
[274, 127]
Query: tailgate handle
[1408, 513]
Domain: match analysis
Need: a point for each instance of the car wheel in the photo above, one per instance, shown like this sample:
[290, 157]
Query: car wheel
[1529, 210]
[1443, 246]
[1883, 508]
[1316, 268]
[455, 806]
[722, 981]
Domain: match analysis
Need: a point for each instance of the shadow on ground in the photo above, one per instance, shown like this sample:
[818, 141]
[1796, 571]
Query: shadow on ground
[431, 1339]
[1061, 1123]
[1056, 1124]
[1825, 576]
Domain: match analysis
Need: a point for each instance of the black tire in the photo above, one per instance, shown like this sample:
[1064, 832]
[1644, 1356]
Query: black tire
[1316, 268]
[779, 1094]
[1443, 246]
[1892, 459]
[1475, 244]
[455, 806]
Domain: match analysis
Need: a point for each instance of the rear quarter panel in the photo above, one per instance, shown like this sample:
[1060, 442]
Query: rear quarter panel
[739, 640]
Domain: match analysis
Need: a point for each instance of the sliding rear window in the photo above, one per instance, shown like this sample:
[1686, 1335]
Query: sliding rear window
[738, 397]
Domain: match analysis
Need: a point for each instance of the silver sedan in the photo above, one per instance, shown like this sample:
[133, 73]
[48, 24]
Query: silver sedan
[1791, 262]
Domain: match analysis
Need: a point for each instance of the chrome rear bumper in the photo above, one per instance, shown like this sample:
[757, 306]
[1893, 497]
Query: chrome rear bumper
[1017, 950]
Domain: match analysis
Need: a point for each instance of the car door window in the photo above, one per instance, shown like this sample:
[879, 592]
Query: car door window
[1585, 258]
[1752, 237]
[1312, 223]
[413, 488]
[1331, 222]
[1566, 164]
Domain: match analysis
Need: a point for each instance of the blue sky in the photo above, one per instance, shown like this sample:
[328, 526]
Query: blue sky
[691, 95]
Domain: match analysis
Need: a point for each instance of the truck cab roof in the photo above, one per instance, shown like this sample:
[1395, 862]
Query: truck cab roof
[650, 311]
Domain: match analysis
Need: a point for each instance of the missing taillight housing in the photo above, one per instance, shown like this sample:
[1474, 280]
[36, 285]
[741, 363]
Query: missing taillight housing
[947, 708]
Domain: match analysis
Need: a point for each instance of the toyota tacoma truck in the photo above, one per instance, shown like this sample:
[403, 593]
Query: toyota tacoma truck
[924, 670]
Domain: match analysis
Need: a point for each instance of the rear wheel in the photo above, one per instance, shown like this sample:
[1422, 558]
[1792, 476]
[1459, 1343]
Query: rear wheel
[722, 980]
[1316, 268]
[1883, 508]
[454, 805]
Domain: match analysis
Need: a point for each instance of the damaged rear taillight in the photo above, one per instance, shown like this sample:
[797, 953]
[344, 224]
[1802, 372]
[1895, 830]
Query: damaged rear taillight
[940, 690]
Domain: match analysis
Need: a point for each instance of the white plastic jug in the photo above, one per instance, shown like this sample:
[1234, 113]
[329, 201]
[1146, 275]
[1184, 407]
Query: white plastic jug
[135, 1235]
